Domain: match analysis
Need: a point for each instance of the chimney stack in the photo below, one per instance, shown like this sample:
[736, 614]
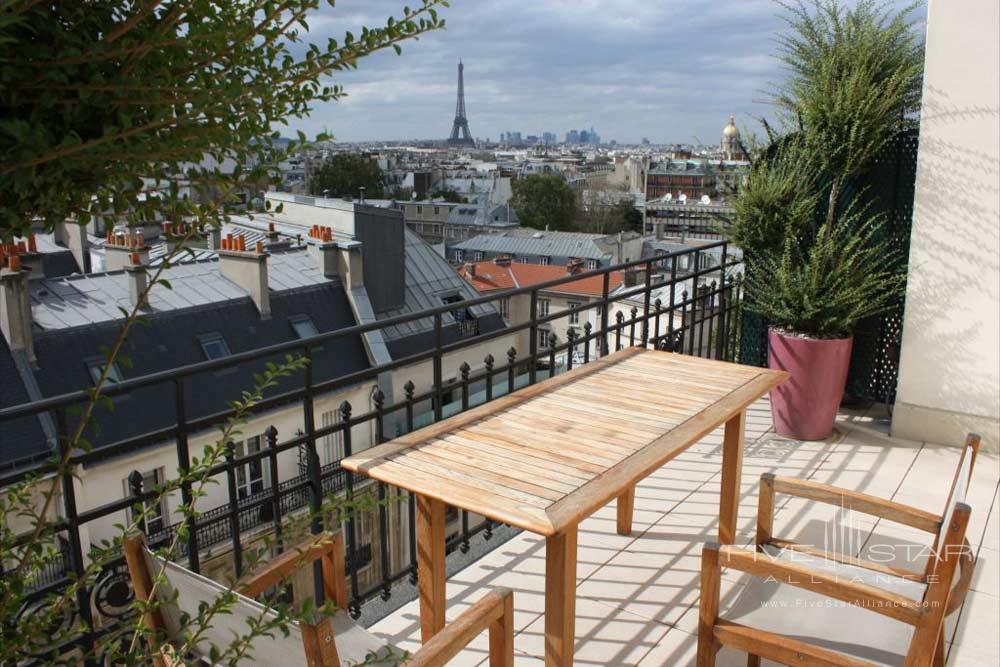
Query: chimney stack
[658, 227]
[324, 250]
[119, 248]
[137, 280]
[631, 278]
[15, 306]
[351, 264]
[27, 253]
[574, 265]
[248, 269]
[502, 260]
[470, 269]
[169, 238]
[213, 238]
[73, 236]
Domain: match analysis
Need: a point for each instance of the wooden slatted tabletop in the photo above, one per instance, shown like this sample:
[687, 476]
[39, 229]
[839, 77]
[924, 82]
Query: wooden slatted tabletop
[547, 455]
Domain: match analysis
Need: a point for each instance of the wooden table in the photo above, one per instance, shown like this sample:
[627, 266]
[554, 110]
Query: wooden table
[546, 457]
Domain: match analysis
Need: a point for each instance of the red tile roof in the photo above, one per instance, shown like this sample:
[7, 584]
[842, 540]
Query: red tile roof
[490, 276]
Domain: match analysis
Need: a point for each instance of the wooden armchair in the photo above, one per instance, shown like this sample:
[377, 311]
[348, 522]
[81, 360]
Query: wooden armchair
[808, 606]
[329, 642]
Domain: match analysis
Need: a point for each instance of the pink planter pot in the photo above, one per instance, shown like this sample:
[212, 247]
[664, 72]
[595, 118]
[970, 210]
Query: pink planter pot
[805, 406]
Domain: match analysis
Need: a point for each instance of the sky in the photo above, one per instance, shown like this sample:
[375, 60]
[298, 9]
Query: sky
[668, 70]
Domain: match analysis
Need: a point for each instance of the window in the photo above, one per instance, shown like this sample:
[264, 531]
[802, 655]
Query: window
[467, 323]
[505, 308]
[249, 477]
[522, 260]
[437, 210]
[543, 338]
[154, 507]
[592, 264]
[214, 346]
[95, 366]
[420, 210]
[574, 314]
[543, 307]
[303, 326]
[544, 260]
[479, 255]
[333, 443]
[459, 255]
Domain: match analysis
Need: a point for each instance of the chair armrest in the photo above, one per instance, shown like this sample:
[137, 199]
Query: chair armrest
[967, 565]
[764, 566]
[280, 569]
[495, 611]
[855, 501]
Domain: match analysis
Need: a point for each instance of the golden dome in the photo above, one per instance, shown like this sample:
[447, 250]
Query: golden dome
[730, 129]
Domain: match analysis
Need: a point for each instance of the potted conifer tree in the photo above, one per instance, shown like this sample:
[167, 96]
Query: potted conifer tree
[814, 294]
[816, 264]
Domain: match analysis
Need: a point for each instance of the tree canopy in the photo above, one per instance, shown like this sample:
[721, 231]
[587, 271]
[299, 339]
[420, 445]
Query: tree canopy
[96, 95]
[449, 196]
[344, 174]
[544, 200]
[99, 101]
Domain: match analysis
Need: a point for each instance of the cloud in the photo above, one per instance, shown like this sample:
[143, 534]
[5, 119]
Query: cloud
[670, 70]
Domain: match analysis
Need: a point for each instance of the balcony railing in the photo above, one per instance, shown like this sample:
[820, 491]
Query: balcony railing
[691, 312]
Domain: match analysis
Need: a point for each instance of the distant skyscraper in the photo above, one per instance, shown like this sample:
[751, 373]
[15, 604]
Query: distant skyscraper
[572, 137]
[549, 137]
[460, 135]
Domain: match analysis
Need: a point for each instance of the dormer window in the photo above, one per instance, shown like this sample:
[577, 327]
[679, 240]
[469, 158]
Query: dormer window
[304, 326]
[95, 366]
[214, 346]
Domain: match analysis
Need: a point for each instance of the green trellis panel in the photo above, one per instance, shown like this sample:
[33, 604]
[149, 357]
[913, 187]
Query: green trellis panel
[888, 188]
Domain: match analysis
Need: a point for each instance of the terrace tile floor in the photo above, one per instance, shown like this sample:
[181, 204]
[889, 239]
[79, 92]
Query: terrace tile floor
[637, 596]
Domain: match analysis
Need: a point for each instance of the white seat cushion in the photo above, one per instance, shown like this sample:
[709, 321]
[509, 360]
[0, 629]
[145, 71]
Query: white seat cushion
[185, 590]
[823, 621]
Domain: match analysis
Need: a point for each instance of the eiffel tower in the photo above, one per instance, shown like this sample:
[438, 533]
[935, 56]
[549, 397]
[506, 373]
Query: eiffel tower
[460, 135]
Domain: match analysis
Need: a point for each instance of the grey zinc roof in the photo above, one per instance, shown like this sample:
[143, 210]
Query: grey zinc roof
[463, 214]
[429, 278]
[83, 299]
[689, 167]
[535, 242]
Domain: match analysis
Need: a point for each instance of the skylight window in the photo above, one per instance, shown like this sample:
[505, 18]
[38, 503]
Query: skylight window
[95, 366]
[304, 326]
[214, 346]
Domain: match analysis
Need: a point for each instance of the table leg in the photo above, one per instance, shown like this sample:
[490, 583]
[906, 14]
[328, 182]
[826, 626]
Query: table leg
[560, 598]
[732, 472]
[626, 505]
[430, 565]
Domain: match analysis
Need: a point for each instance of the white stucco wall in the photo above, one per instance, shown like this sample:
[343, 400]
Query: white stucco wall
[949, 380]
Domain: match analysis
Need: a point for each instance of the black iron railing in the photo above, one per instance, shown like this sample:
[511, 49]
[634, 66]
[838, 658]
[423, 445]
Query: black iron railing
[659, 305]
